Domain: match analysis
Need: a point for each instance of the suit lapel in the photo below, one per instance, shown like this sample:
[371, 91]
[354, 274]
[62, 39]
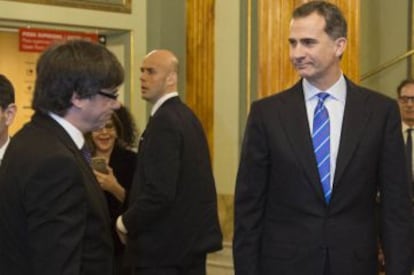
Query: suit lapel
[354, 122]
[295, 120]
[171, 101]
[91, 183]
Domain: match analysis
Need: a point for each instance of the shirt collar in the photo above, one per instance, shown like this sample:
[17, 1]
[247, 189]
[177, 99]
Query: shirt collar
[3, 148]
[405, 127]
[337, 90]
[161, 100]
[75, 134]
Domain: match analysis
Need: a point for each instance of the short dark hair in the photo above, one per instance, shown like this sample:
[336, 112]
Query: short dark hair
[336, 25]
[404, 83]
[74, 66]
[6, 92]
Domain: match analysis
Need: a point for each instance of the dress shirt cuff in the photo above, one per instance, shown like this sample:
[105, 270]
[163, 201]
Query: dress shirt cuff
[120, 225]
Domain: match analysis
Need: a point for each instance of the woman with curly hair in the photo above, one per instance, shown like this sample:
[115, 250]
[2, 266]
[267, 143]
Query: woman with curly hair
[113, 162]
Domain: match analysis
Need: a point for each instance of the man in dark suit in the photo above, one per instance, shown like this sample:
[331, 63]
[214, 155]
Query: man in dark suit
[7, 112]
[405, 93]
[53, 215]
[313, 158]
[172, 221]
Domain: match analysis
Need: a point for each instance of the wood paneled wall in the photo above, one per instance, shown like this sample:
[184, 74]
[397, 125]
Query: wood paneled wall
[275, 70]
[200, 62]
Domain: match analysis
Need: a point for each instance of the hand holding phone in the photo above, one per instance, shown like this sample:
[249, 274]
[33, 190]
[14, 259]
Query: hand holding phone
[99, 164]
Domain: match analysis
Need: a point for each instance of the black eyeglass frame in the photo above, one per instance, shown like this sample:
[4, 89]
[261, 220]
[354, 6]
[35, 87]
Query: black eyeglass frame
[108, 127]
[113, 96]
[406, 99]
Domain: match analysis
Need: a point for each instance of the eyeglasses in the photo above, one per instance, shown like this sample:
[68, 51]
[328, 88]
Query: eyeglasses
[406, 99]
[114, 95]
[108, 127]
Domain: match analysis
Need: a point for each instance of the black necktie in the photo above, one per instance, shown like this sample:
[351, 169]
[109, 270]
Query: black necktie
[409, 152]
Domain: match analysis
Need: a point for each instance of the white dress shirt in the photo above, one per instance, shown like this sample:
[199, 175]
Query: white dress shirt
[335, 104]
[75, 134]
[161, 100]
[3, 149]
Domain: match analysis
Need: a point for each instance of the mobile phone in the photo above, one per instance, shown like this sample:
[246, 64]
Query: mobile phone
[99, 164]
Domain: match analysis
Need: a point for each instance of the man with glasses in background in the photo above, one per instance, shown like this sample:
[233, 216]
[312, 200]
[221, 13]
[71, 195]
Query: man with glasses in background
[7, 112]
[53, 215]
[405, 93]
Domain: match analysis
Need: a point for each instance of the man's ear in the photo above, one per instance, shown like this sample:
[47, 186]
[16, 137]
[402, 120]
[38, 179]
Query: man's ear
[172, 78]
[77, 101]
[10, 113]
[340, 46]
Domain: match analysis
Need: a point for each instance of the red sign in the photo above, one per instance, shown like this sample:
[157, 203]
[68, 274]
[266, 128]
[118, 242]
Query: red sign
[37, 40]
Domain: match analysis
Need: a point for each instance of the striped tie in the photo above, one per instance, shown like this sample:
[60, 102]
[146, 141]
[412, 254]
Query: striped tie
[321, 144]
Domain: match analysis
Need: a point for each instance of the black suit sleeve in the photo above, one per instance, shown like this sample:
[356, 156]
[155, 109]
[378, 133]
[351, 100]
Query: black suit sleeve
[55, 205]
[396, 218]
[250, 196]
[160, 162]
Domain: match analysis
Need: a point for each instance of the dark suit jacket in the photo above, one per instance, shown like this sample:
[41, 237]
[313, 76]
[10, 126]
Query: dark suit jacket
[283, 225]
[122, 162]
[172, 216]
[53, 215]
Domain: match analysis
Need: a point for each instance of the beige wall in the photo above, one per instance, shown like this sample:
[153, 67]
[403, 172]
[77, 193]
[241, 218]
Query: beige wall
[384, 36]
[19, 67]
[227, 95]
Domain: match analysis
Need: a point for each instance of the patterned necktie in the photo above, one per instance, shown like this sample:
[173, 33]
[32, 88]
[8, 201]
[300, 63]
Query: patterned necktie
[321, 144]
[409, 152]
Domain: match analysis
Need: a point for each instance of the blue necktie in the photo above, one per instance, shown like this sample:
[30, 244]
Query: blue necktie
[321, 144]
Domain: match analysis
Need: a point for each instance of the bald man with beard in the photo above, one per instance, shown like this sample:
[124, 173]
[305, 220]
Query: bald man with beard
[172, 221]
